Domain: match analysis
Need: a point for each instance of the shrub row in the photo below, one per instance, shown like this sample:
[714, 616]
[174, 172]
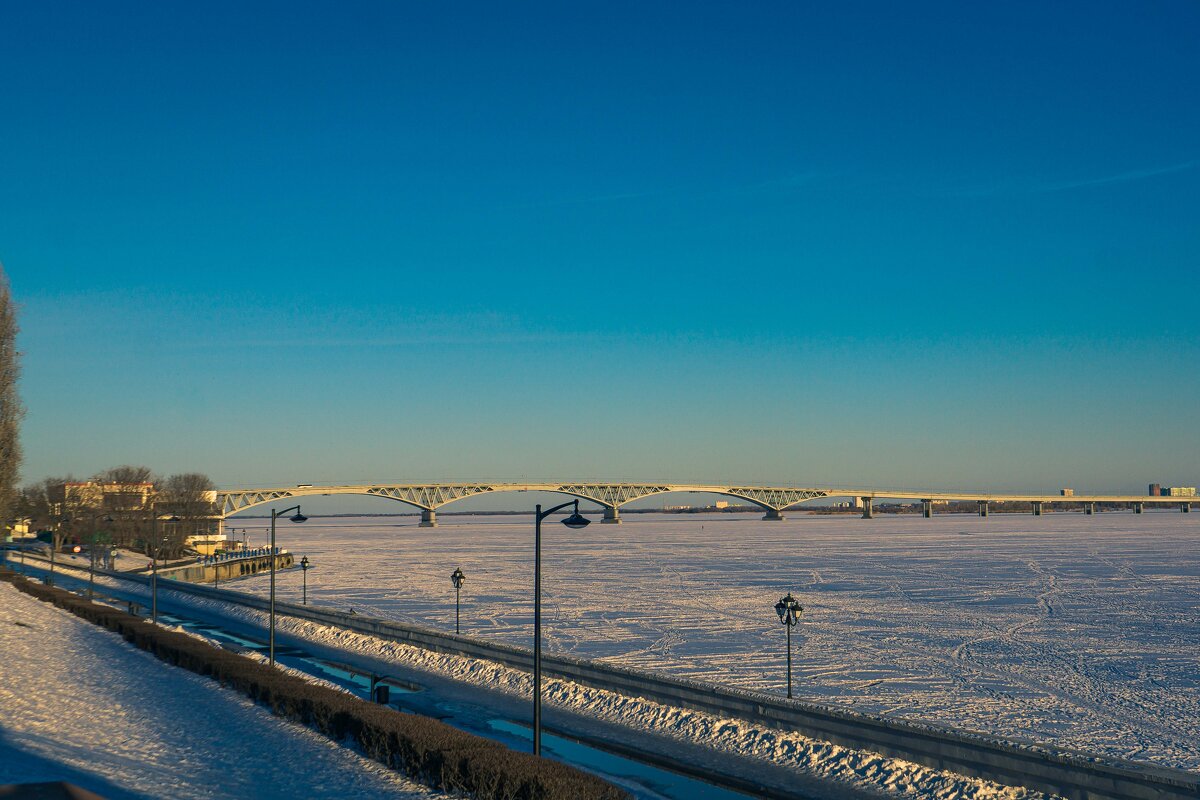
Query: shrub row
[427, 750]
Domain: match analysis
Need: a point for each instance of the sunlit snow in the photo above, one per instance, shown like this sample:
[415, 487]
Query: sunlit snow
[1064, 628]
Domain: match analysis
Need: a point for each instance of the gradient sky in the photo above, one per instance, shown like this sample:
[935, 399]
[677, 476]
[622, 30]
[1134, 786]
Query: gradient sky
[948, 245]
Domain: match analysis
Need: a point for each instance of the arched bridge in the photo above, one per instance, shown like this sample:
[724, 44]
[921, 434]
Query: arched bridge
[429, 497]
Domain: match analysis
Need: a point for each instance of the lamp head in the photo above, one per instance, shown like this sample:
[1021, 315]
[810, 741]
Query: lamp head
[457, 578]
[304, 562]
[576, 520]
[788, 610]
[298, 517]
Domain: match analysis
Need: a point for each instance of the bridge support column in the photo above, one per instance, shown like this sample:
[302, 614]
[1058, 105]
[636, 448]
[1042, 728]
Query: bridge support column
[1185, 507]
[868, 508]
[428, 518]
[773, 514]
[1089, 509]
[612, 516]
[927, 508]
[1137, 507]
[983, 508]
[1037, 508]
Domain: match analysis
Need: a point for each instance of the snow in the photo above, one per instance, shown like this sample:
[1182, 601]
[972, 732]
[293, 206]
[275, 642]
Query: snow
[819, 768]
[77, 703]
[1068, 629]
[123, 561]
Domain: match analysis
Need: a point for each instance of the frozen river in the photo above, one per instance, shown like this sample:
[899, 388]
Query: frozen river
[1076, 630]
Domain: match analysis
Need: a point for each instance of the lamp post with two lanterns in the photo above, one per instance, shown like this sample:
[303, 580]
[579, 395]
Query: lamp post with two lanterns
[574, 520]
[789, 612]
[458, 579]
[304, 567]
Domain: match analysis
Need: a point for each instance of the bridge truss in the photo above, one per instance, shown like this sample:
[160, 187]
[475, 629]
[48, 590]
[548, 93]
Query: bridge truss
[432, 496]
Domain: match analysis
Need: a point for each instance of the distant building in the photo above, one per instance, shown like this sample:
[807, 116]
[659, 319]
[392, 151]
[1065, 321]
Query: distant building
[1066, 492]
[1181, 491]
[722, 504]
[108, 496]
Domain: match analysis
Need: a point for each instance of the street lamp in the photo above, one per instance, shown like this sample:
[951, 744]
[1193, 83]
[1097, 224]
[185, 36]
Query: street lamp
[458, 579]
[92, 552]
[158, 543]
[789, 612]
[297, 517]
[574, 520]
[61, 522]
[304, 566]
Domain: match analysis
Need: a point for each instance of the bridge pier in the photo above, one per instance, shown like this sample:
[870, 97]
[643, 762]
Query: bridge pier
[1089, 509]
[1186, 508]
[983, 508]
[428, 518]
[1137, 507]
[773, 514]
[1037, 508]
[612, 516]
[927, 508]
[868, 507]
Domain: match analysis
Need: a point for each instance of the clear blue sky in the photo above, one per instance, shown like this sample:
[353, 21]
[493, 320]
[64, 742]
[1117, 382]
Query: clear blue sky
[911, 245]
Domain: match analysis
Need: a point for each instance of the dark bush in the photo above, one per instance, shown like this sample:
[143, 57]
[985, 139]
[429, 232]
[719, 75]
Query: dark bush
[427, 750]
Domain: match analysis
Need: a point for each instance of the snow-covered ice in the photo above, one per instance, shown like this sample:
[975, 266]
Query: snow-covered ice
[79, 704]
[807, 766]
[1074, 630]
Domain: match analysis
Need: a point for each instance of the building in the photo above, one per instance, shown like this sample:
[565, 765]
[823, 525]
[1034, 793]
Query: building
[106, 496]
[1155, 489]
[1066, 492]
[1181, 491]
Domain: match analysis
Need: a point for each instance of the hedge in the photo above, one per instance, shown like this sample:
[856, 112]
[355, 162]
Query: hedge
[426, 750]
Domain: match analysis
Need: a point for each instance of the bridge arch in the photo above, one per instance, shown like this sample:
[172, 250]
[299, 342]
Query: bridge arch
[430, 497]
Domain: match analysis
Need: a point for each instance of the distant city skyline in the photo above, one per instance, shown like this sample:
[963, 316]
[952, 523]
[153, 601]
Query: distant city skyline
[929, 246]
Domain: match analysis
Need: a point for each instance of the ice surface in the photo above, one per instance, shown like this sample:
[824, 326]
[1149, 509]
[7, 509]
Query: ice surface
[813, 768]
[1069, 629]
[77, 703]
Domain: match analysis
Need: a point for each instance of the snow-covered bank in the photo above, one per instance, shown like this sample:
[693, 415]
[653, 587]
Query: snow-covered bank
[78, 703]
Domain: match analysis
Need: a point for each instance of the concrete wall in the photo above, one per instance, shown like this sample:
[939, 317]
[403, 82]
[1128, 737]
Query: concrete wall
[1076, 775]
[226, 570]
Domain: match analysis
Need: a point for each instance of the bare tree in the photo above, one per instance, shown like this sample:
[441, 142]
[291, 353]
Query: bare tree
[126, 474]
[54, 505]
[191, 498]
[11, 410]
[127, 493]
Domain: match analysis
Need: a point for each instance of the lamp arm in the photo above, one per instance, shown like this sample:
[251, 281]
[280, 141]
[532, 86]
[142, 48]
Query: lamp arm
[284, 511]
[548, 512]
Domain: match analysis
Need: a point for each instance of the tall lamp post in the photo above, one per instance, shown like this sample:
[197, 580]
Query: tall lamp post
[789, 612]
[297, 517]
[158, 543]
[574, 520]
[304, 566]
[92, 553]
[53, 548]
[458, 579]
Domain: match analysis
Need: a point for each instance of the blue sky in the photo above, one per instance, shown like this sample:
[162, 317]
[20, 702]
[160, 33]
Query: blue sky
[920, 245]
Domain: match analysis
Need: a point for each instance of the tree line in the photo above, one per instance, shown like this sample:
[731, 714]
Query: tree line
[141, 511]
